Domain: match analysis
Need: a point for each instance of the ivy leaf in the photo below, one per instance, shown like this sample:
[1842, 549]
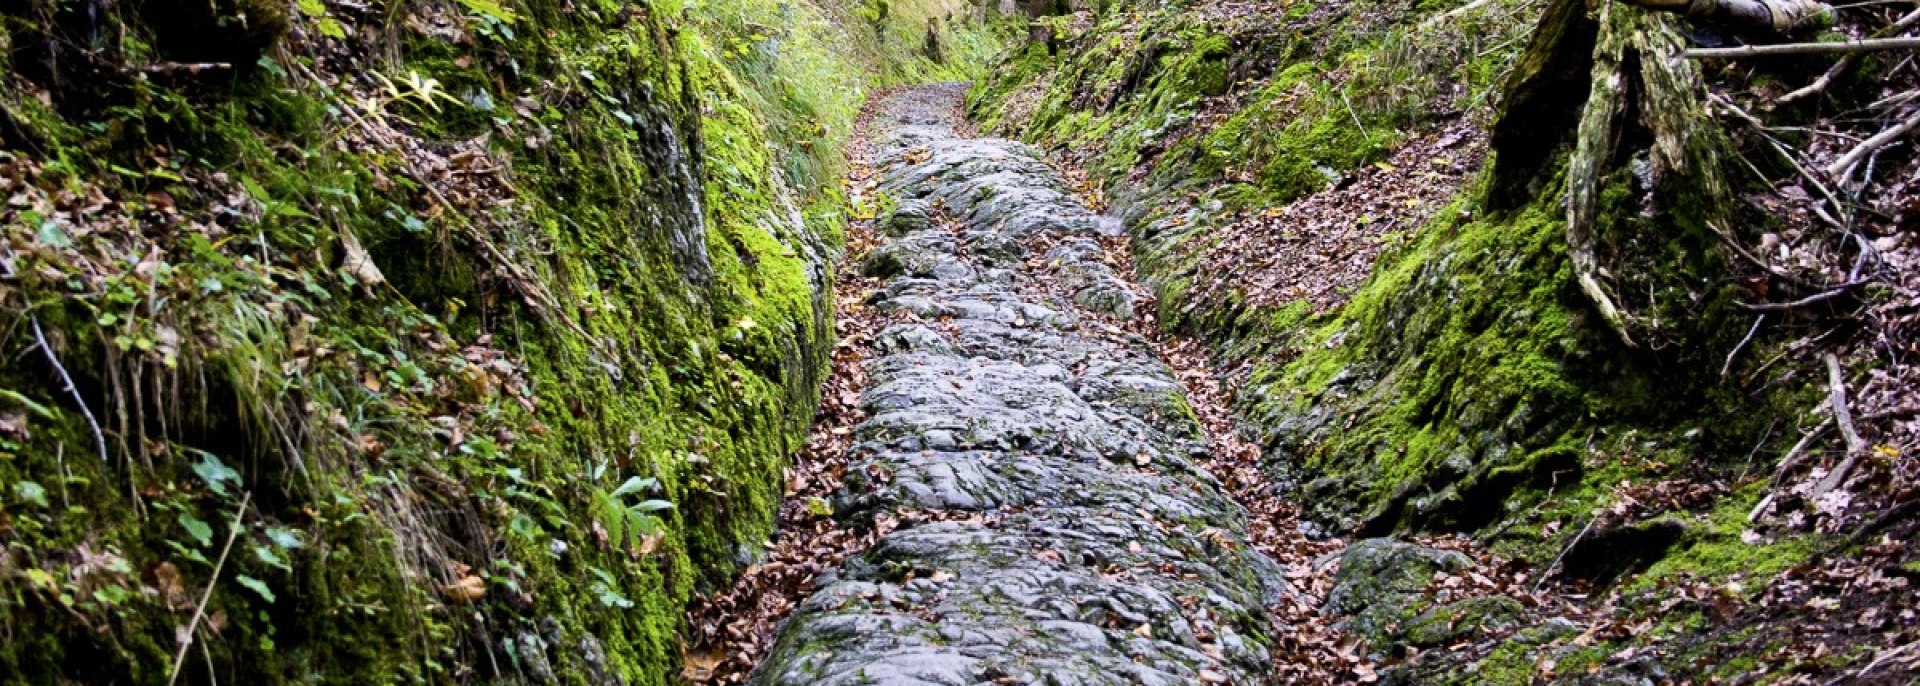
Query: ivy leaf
[652, 506]
[257, 586]
[271, 558]
[31, 492]
[285, 538]
[490, 9]
[331, 28]
[201, 532]
[215, 473]
[41, 579]
[635, 485]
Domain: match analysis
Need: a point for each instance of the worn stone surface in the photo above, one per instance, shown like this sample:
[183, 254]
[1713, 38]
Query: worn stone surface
[1379, 586]
[1073, 538]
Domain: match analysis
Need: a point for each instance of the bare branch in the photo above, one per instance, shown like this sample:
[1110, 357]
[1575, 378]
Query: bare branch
[1842, 415]
[1843, 167]
[1728, 365]
[180, 657]
[1846, 61]
[1816, 298]
[66, 380]
[1865, 45]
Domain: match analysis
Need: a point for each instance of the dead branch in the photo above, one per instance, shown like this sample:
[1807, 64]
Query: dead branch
[1892, 413]
[1843, 167]
[1814, 299]
[233, 532]
[53, 359]
[1563, 551]
[188, 67]
[1740, 251]
[1455, 12]
[66, 381]
[1847, 61]
[1842, 415]
[1879, 658]
[1787, 462]
[1728, 365]
[1759, 127]
[1852, 46]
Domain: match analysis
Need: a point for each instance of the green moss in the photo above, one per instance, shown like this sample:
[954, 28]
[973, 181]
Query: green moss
[1450, 373]
[1713, 549]
[631, 313]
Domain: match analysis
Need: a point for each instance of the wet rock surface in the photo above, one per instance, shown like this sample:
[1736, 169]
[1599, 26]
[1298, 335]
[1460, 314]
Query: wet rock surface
[1070, 536]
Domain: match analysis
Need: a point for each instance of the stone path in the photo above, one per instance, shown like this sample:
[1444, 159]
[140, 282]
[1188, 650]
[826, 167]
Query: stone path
[1071, 536]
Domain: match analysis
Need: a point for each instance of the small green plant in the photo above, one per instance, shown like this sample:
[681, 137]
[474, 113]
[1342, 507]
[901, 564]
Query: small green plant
[630, 525]
[420, 90]
[491, 19]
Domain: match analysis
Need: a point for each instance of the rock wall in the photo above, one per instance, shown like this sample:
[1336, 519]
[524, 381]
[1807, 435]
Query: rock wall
[406, 342]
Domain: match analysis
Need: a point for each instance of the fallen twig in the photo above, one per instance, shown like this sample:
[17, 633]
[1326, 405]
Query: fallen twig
[1816, 298]
[66, 380]
[1863, 45]
[1544, 575]
[40, 339]
[1842, 415]
[1787, 462]
[233, 532]
[1887, 517]
[1846, 61]
[1455, 12]
[189, 67]
[1843, 167]
[1792, 160]
[1728, 365]
[1890, 413]
[1741, 252]
[1878, 658]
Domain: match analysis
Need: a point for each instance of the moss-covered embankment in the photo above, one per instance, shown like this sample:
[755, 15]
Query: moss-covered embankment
[409, 341]
[1473, 383]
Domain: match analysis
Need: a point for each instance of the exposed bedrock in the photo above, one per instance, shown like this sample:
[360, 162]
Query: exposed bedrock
[1073, 537]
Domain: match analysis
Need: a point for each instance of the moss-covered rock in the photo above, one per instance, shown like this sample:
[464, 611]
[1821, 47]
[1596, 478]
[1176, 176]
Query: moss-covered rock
[483, 329]
[1380, 586]
[1522, 367]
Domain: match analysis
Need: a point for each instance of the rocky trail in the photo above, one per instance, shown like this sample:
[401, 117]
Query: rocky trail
[959, 342]
[1033, 485]
[1073, 533]
[1019, 476]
